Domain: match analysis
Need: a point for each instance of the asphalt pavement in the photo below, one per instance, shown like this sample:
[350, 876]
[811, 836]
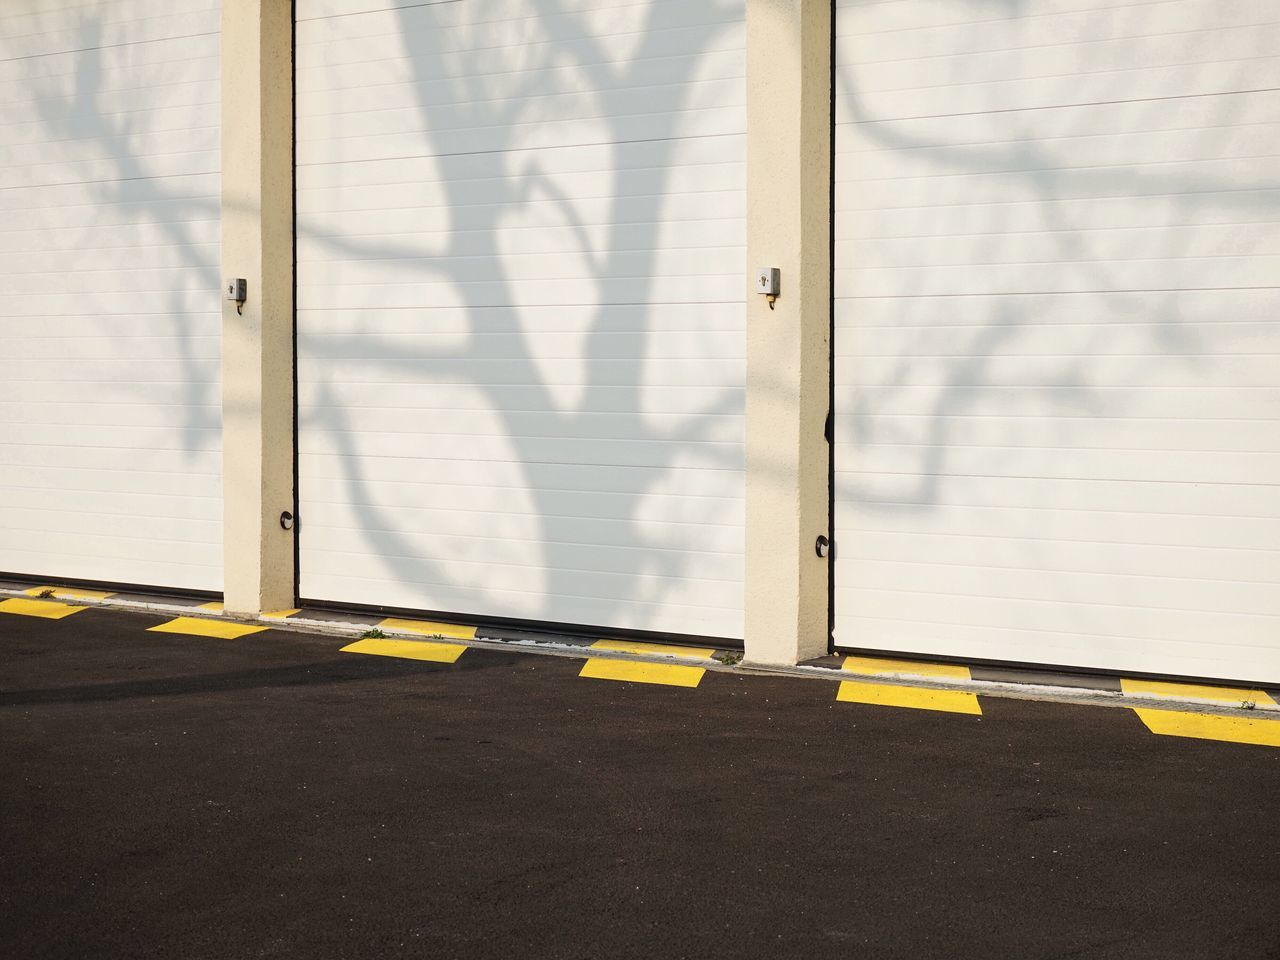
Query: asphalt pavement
[271, 796]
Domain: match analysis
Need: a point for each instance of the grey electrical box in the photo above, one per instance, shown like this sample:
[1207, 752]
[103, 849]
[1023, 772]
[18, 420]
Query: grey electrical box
[237, 289]
[767, 281]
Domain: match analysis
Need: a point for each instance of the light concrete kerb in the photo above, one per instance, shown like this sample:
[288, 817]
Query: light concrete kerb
[991, 688]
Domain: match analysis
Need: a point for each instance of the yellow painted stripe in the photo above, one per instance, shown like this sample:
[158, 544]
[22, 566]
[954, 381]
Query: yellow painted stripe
[637, 671]
[280, 614]
[408, 649]
[197, 627]
[879, 667]
[914, 698]
[68, 593]
[1232, 695]
[48, 609]
[429, 628]
[655, 649]
[1203, 726]
[212, 607]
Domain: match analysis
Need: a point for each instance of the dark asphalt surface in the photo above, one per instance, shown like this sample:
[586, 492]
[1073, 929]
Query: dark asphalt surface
[169, 796]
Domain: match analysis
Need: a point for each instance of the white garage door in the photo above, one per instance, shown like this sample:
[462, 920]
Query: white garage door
[520, 309]
[1058, 333]
[110, 432]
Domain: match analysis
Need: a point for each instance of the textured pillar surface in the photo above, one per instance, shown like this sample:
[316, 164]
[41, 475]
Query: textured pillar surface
[788, 347]
[257, 341]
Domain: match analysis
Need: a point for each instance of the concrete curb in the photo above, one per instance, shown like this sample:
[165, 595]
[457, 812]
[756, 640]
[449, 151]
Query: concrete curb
[567, 648]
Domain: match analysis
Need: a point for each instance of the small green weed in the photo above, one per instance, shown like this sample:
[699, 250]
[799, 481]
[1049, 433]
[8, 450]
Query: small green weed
[373, 634]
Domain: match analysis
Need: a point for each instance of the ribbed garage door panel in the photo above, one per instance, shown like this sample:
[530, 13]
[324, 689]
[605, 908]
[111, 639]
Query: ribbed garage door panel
[520, 309]
[1057, 356]
[110, 321]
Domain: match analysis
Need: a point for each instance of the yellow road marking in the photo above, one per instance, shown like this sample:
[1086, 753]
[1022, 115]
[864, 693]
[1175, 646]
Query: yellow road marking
[656, 649]
[1203, 726]
[48, 609]
[429, 628]
[1232, 695]
[197, 627]
[878, 666]
[408, 649]
[914, 698]
[214, 606]
[636, 671]
[280, 614]
[68, 593]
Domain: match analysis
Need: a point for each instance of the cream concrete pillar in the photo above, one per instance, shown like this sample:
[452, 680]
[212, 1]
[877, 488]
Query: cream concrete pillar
[257, 343]
[788, 348]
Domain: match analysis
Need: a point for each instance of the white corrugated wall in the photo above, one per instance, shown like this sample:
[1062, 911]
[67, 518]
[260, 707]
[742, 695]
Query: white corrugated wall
[520, 308]
[110, 465]
[1057, 350]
